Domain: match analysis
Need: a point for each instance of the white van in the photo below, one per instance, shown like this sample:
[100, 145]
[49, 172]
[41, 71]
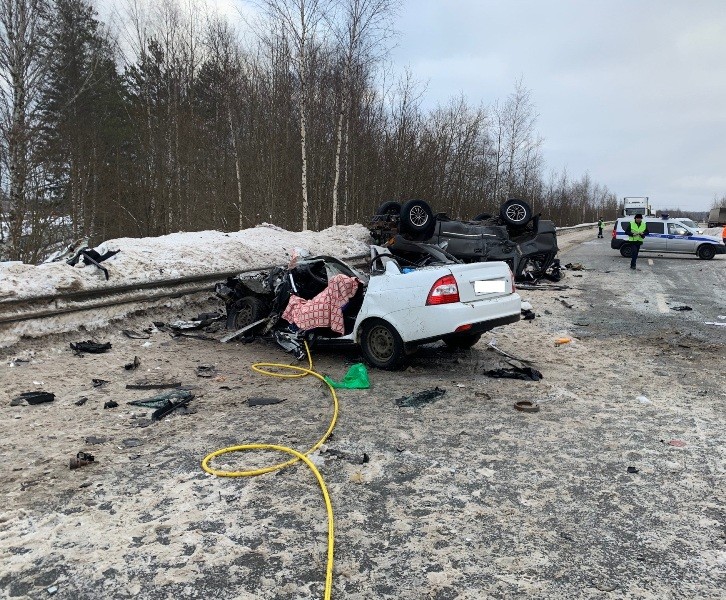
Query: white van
[668, 235]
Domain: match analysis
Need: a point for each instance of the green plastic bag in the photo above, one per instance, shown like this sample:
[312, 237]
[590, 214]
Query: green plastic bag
[355, 379]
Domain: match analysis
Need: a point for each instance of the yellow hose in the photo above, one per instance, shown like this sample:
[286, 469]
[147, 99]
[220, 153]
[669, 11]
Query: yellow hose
[297, 456]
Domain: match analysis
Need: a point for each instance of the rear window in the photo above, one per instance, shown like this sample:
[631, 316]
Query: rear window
[656, 227]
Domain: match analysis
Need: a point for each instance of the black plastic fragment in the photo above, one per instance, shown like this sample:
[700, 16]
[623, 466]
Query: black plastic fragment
[110, 404]
[420, 398]
[524, 373]
[632, 470]
[133, 365]
[681, 308]
[264, 401]
[148, 385]
[33, 398]
[90, 347]
[99, 382]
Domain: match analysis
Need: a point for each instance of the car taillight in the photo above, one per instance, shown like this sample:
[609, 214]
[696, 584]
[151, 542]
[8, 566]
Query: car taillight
[444, 291]
[614, 232]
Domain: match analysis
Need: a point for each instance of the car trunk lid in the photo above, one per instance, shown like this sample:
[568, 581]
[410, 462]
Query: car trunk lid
[478, 281]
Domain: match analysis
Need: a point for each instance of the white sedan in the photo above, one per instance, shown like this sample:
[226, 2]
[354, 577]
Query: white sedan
[391, 313]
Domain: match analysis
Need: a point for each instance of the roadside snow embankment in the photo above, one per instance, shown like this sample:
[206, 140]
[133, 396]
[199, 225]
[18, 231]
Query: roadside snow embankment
[145, 260]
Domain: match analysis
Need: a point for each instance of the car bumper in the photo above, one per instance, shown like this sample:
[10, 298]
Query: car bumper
[721, 249]
[430, 323]
[615, 243]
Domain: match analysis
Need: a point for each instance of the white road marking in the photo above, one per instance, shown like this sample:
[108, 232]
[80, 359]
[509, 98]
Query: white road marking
[650, 262]
[661, 302]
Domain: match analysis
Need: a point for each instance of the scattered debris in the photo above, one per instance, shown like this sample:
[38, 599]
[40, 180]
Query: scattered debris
[355, 379]
[575, 267]
[677, 443]
[528, 315]
[264, 401]
[525, 373]
[81, 460]
[81, 401]
[420, 398]
[681, 308]
[351, 457]
[152, 385]
[131, 442]
[643, 400]
[526, 406]
[135, 335]
[52, 590]
[632, 470]
[99, 382]
[562, 340]
[165, 403]
[206, 370]
[133, 365]
[714, 323]
[90, 347]
[33, 398]
[110, 404]
[93, 257]
[493, 346]
[566, 303]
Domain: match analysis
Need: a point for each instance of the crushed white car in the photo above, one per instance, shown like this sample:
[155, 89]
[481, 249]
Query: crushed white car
[388, 314]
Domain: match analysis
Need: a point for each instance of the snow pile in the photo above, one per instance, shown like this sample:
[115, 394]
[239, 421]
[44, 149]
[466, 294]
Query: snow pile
[143, 260]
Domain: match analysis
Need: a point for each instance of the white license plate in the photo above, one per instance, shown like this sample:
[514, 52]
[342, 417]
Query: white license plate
[498, 286]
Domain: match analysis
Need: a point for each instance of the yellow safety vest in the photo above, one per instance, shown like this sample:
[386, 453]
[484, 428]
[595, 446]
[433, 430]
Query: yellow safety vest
[636, 231]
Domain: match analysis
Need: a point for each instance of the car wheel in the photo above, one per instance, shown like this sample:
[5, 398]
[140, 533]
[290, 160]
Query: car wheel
[462, 341]
[482, 217]
[382, 345]
[706, 252]
[248, 310]
[390, 208]
[417, 219]
[516, 212]
[626, 250]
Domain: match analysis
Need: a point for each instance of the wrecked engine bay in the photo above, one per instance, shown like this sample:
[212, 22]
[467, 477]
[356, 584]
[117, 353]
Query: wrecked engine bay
[321, 292]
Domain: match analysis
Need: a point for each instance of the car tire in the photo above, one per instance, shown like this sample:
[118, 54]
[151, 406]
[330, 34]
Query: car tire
[626, 250]
[462, 341]
[382, 345]
[390, 208]
[417, 219]
[706, 252]
[248, 310]
[482, 217]
[515, 212]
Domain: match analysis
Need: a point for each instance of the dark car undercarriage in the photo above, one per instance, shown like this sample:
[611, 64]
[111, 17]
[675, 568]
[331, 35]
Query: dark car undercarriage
[416, 235]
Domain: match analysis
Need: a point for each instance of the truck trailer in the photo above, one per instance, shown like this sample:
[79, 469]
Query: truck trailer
[717, 217]
[634, 205]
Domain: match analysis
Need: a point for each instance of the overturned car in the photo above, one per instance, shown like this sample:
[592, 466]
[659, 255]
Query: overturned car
[525, 242]
[322, 300]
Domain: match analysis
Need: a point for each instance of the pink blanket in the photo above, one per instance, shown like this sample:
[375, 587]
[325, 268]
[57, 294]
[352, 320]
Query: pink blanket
[325, 310]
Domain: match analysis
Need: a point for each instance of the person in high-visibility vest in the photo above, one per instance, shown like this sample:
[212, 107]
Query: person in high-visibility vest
[723, 235]
[600, 225]
[636, 230]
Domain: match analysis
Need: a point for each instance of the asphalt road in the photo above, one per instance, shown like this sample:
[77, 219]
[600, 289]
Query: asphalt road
[644, 300]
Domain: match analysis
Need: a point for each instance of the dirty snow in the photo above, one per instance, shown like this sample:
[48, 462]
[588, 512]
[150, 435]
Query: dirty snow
[143, 260]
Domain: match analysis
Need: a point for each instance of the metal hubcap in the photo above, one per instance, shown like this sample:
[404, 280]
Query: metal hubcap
[418, 216]
[516, 212]
[244, 316]
[381, 343]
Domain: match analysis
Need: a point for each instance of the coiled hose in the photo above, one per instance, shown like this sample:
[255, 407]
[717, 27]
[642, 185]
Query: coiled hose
[262, 368]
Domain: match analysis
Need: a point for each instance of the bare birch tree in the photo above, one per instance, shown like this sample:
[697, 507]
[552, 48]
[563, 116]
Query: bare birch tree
[300, 22]
[23, 62]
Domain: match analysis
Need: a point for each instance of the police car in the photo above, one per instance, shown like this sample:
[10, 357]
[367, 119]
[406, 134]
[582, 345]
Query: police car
[668, 235]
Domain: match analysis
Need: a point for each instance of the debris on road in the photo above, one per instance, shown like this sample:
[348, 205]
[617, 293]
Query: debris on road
[165, 403]
[493, 346]
[575, 267]
[526, 406]
[110, 404]
[420, 398]
[562, 340]
[643, 400]
[206, 371]
[355, 379]
[133, 365]
[81, 460]
[97, 383]
[135, 335]
[566, 303]
[524, 373]
[264, 401]
[90, 347]
[81, 401]
[351, 457]
[677, 443]
[632, 470]
[33, 398]
[681, 308]
[152, 385]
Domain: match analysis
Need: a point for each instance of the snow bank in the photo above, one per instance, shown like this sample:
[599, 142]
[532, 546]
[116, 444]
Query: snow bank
[143, 260]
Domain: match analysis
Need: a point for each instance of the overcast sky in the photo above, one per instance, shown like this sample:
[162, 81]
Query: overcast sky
[632, 91]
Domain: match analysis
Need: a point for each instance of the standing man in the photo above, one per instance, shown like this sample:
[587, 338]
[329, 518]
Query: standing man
[600, 224]
[636, 230]
[723, 235]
